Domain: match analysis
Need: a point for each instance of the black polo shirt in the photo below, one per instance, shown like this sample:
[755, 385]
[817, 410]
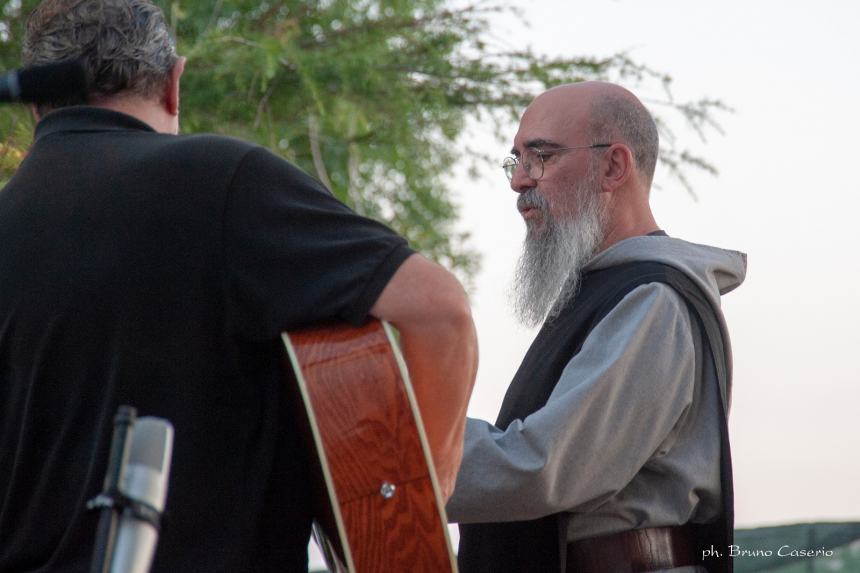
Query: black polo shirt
[158, 271]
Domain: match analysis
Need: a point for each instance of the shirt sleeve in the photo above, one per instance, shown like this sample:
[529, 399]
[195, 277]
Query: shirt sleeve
[617, 405]
[296, 255]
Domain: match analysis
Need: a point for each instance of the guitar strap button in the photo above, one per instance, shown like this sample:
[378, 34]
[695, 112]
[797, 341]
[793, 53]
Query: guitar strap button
[387, 490]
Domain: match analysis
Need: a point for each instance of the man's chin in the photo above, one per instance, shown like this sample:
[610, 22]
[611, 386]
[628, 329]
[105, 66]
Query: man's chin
[535, 226]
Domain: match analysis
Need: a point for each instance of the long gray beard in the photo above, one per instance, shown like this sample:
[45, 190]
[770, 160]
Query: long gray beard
[549, 269]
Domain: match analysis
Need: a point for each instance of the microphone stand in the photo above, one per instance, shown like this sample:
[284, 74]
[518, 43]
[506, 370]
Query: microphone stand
[107, 501]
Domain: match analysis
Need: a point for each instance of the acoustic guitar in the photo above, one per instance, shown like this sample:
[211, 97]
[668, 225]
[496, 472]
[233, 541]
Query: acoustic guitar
[379, 507]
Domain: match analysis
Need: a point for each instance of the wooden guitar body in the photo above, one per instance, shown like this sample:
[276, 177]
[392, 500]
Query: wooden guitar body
[384, 510]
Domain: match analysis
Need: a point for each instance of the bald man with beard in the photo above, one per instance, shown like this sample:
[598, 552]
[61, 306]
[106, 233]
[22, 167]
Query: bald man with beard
[610, 452]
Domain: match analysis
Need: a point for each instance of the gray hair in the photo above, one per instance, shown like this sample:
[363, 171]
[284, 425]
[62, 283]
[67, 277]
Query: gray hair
[549, 270]
[124, 45]
[615, 117]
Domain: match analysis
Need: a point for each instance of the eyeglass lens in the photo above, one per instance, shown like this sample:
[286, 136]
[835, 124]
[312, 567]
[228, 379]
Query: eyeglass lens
[530, 161]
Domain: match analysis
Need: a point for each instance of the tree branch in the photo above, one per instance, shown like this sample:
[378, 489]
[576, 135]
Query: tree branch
[316, 153]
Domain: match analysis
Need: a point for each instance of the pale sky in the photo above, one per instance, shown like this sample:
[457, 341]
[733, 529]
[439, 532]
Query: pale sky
[787, 195]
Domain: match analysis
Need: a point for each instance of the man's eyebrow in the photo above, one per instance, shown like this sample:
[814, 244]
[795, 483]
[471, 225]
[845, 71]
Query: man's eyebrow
[538, 143]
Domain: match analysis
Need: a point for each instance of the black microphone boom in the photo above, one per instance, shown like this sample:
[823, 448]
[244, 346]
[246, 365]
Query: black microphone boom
[106, 502]
[41, 84]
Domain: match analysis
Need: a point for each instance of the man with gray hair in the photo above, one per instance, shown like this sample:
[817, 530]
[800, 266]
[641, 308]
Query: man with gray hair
[610, 452]
[145, 268]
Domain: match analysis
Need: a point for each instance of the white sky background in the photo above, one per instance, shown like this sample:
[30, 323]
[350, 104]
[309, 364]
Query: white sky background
[787, 194]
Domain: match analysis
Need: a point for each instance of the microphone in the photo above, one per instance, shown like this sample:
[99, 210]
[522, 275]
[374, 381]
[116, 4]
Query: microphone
[144, 482]
[45, 83]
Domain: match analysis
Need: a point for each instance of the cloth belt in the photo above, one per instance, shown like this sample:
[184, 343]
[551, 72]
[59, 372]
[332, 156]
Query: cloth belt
[634, 551]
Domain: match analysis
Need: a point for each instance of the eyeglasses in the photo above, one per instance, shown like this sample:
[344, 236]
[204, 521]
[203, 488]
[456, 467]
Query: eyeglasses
[533, 159]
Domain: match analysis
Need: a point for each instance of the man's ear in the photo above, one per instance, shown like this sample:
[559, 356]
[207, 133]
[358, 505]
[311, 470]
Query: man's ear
[616, 167]
[35, 111]
[171, 89]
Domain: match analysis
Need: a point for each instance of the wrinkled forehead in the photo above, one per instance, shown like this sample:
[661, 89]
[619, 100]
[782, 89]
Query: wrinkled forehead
[553, 120]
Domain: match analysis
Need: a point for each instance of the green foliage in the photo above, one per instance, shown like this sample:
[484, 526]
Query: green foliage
[370, 96]
[16, 123]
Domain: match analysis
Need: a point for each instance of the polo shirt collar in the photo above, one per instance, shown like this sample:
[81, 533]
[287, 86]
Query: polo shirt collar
[85, 118]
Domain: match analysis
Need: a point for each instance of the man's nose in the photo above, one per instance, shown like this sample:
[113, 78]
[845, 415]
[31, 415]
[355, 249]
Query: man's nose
[521, 182]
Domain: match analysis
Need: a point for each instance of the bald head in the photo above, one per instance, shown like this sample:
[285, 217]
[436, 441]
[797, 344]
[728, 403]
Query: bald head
[609, 113]
[586, 154]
